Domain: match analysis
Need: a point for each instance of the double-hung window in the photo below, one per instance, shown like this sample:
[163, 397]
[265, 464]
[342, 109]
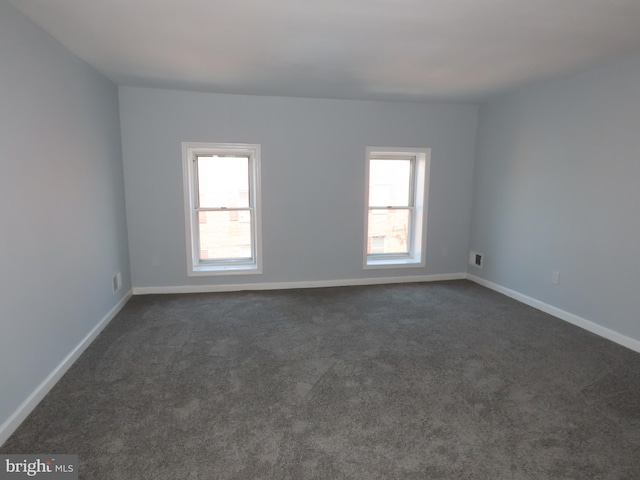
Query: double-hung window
[396, 206]
[222, 208]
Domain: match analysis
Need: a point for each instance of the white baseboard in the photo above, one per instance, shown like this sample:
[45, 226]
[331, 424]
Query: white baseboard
[588, 325]
[289, 285]
[14, 421]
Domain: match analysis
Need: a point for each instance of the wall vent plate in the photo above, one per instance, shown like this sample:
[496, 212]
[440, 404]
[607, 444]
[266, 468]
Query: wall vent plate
[476, 259]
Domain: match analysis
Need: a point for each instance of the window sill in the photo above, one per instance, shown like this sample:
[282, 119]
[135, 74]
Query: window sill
[210, 270]
[393, 263]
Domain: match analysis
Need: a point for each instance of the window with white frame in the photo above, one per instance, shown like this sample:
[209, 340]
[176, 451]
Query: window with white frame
[222, 207]
[396, 206]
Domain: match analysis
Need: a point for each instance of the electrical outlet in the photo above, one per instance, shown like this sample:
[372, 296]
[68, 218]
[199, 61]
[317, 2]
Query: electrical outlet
[555, 278]
[445, 252]
[155, 261]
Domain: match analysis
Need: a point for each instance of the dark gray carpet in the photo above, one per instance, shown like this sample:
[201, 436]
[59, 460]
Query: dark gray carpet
[416, 381]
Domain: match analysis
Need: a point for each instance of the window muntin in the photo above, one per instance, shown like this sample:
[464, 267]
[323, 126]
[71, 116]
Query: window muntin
[222, 208]
[396, 200]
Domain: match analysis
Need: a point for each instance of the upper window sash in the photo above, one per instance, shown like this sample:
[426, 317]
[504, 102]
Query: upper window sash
[215, 155]
[411, 180]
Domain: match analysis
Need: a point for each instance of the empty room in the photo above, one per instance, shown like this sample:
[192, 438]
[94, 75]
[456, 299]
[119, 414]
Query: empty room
[320, 240]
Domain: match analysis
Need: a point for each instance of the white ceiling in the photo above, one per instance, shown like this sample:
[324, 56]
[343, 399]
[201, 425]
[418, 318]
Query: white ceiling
[360, 49]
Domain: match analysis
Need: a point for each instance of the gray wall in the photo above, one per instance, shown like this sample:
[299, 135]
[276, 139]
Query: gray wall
[63, 224]
[557, 188]
[313, 166]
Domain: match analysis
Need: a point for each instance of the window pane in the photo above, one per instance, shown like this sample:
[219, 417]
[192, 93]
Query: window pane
[223, 181]
[389, 183]
[378, 244]
[225, 235]
[388, 231]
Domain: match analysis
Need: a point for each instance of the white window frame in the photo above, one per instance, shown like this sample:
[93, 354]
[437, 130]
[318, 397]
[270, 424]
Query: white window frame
[195, 265]
[421, 163]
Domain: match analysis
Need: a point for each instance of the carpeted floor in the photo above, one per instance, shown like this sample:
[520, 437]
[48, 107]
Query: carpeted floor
[415, 381]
